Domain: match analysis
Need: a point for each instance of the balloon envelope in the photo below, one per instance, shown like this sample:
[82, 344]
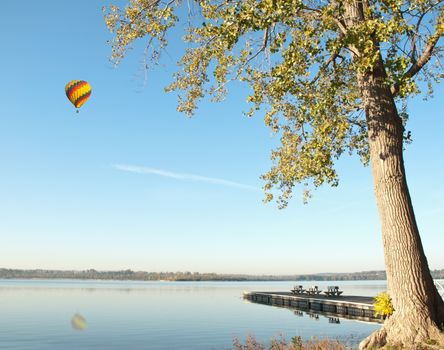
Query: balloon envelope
[78, 92]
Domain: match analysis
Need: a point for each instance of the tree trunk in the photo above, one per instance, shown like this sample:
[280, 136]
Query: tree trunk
[419, 309]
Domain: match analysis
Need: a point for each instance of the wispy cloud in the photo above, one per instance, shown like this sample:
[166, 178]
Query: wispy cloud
[180, 176]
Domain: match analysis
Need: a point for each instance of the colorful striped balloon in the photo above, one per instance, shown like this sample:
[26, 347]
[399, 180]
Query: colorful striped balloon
[78, 91]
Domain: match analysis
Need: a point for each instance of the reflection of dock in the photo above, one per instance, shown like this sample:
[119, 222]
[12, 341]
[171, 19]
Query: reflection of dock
[353, 307]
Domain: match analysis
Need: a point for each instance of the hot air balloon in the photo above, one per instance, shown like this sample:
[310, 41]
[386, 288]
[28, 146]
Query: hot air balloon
[78, 91]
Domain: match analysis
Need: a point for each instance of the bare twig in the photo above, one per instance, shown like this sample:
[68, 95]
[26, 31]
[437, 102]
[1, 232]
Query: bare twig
[423, 59]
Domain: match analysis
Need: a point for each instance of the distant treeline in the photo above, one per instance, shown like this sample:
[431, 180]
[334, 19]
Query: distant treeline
[129, 275]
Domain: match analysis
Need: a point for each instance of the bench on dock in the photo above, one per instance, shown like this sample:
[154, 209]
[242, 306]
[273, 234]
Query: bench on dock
[298, 290]
[333, 291]
[313, 290]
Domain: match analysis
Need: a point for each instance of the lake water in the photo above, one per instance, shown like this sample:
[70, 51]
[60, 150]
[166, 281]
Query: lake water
[36, 314]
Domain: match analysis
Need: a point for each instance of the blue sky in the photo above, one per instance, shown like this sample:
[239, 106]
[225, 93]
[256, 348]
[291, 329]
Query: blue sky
[131, 183]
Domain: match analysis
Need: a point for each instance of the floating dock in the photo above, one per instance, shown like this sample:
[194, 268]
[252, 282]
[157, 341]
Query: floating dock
[344, 306]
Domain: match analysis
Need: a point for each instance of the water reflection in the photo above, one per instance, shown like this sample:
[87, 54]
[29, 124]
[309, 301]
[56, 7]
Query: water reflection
[334, 320]
[78, 322]
[333, 312]
[152, 315]
[313, 316]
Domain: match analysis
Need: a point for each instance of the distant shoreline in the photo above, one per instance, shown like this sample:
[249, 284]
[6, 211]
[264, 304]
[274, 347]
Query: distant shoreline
[129, 275]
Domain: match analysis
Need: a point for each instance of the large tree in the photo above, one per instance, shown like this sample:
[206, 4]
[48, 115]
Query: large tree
[330, 76]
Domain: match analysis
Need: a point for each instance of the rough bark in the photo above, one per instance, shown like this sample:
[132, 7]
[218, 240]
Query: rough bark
[419, 309]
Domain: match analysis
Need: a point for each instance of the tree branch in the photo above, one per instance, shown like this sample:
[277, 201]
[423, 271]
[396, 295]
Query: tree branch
[424, 58]
[331, 59]
[240, 69]
[341, 25]
[414, 38]
[264, 45]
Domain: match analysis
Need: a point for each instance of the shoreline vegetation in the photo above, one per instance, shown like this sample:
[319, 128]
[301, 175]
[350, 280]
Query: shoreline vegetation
[129, 275]
[296, 343]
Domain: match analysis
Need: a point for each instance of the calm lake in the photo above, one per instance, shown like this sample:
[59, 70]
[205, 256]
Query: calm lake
[36, 314]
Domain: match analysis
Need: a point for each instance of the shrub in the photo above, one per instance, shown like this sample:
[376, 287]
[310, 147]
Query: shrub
[281, 344]
[383, 305]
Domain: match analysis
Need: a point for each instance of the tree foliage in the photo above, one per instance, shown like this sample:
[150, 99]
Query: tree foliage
[330, 77]
[301, 59]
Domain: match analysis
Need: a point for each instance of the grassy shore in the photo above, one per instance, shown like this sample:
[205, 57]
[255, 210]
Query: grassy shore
[295, 343]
